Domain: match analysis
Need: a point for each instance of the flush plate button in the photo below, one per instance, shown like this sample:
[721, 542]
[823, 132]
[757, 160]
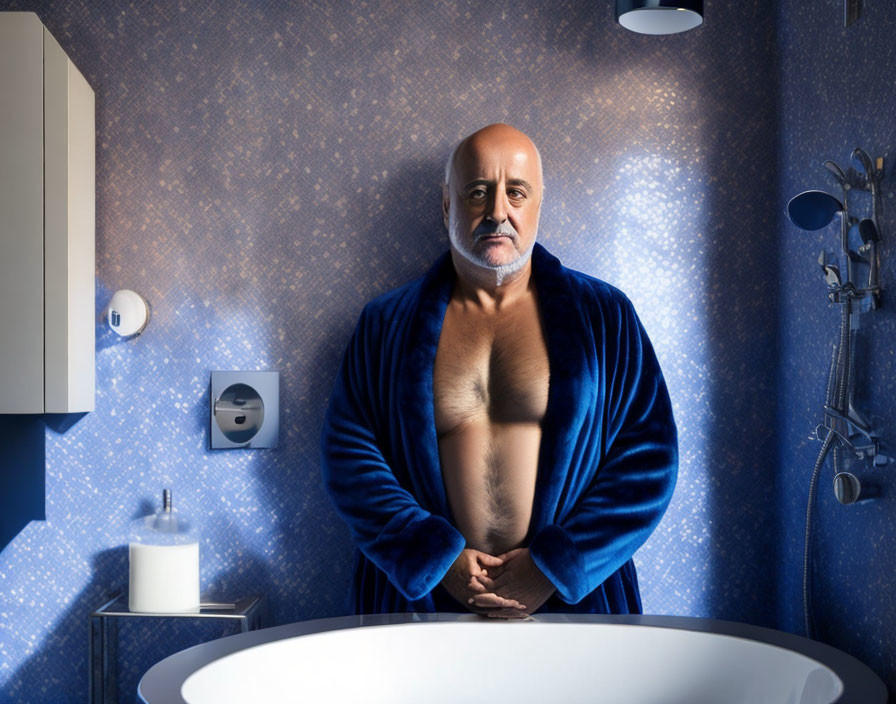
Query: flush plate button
[244, 409]
[239, 413]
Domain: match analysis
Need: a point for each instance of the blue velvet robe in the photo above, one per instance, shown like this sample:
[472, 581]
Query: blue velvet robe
[606, 467]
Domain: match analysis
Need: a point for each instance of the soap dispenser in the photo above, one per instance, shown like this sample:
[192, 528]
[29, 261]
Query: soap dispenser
[163, 556]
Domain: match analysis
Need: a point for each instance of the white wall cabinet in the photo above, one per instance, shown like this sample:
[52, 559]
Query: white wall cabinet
[47, 224]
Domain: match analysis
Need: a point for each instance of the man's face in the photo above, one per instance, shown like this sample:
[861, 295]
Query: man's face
[492, 202]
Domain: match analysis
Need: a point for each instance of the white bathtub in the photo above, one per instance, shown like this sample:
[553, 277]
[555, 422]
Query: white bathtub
[434, 658]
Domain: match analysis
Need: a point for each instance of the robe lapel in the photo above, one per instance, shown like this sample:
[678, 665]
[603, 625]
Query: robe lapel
[567, 399]
[417, 396]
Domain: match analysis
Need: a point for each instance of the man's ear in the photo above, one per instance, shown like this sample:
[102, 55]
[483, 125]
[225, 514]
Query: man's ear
[446, 203]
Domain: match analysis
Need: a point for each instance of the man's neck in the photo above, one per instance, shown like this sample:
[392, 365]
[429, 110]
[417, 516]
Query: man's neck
[483, 288]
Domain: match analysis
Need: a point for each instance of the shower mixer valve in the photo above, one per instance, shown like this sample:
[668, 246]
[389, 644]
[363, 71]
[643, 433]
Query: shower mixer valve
[853, 283]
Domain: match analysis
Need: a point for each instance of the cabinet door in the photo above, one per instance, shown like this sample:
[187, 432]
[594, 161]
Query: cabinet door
[21, 214]
[69, 223]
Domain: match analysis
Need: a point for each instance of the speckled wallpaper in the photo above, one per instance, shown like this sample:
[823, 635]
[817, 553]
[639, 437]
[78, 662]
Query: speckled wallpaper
[263, 169]
[837, 92]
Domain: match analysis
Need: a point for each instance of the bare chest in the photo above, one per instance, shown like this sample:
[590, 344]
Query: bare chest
[490, 366]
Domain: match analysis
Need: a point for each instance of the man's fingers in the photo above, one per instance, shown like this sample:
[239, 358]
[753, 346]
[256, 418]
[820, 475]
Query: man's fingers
[509, 555]
[489, 560]
[494, 572]
[483, 580]
[477, 586]
[493, 600]
[507, 613]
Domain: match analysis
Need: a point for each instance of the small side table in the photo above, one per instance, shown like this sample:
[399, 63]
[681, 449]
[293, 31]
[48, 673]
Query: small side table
[103, 659]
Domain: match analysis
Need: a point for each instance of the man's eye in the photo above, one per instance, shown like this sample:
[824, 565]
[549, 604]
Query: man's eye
[516, 193]
[477, 193]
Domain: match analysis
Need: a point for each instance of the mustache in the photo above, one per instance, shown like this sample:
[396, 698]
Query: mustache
[491, 229]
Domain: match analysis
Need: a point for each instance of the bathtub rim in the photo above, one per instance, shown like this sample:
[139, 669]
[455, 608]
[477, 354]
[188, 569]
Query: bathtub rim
[163, 682]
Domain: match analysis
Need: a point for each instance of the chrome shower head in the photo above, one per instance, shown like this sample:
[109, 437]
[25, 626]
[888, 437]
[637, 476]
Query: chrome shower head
[813, 210]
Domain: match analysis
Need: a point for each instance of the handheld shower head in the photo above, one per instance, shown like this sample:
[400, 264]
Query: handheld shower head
[813, 210]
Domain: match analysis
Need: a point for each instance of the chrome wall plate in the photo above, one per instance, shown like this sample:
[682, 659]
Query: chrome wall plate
[244, 409]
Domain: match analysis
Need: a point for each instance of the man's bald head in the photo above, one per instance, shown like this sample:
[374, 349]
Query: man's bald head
[495, 132]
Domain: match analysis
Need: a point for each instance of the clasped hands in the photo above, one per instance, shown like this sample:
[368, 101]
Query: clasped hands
[504, 586]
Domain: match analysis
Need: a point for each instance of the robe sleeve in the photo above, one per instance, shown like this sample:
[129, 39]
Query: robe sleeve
[412, 546]
[634, 482]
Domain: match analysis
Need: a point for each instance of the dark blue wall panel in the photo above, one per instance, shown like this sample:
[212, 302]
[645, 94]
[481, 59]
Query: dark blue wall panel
[837, 92]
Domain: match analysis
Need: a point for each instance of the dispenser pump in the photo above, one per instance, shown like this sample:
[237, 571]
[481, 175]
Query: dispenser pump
[172, 524]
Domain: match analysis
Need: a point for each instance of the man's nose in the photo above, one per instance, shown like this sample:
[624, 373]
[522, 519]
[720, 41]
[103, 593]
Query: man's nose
[498, 207]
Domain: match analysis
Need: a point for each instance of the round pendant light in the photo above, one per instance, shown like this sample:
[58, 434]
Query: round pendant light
[659, 16]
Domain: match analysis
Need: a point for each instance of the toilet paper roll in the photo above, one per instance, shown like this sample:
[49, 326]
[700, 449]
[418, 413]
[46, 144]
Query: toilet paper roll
[164, 578]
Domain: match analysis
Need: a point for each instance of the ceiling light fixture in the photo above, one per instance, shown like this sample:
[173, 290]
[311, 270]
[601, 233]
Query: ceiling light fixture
[659, 16]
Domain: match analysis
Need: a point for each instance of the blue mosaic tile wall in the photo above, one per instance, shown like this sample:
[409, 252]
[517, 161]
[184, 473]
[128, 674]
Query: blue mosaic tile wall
[264, 169]
[837, 92]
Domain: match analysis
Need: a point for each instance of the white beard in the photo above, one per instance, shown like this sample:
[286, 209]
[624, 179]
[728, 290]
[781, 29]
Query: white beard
[501, 272]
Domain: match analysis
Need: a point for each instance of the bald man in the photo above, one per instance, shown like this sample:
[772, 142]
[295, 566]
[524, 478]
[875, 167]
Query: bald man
[500, 438]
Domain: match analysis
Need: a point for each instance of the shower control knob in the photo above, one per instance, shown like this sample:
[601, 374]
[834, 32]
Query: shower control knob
[847, 488]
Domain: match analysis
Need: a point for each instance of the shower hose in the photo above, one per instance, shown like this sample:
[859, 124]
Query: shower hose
[836, 397]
